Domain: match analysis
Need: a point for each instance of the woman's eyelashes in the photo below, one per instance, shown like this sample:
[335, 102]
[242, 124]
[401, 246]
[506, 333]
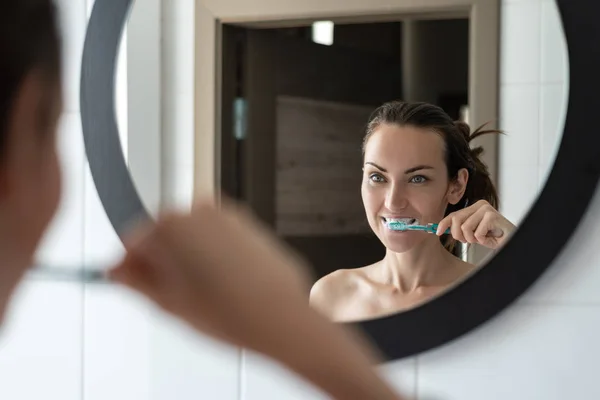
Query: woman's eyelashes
[419, 179]
[376, 178]
[416, 179]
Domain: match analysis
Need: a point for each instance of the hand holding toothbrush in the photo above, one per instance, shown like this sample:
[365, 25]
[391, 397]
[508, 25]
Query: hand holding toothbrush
[479, 223]
[225, 274]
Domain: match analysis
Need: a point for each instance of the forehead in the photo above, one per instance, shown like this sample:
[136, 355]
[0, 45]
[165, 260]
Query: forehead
[404, 146]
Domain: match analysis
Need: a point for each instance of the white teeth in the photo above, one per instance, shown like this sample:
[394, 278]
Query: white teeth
[408, 221]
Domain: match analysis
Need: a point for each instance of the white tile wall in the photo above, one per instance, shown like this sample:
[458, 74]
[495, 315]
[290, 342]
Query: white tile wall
[41, 343]
[554, 57]
[531, 353]
[520, 42]
[519, 158]
[522, 180]
[190, 367]
[263, 378]
[520, 120]
[117, 345]
[534, 88]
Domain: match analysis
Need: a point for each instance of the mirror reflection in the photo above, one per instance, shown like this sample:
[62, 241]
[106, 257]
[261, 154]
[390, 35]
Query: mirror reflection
[154, 111]
[354, 142]
[424, 189]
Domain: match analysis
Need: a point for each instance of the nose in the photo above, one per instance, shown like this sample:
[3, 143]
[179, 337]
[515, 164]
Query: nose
[396, 199]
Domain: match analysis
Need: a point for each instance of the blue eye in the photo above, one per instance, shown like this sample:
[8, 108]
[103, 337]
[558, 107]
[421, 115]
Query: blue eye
[376, 178]
[418, 179]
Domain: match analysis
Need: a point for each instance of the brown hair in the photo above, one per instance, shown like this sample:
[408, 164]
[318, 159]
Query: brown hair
[457, 136]
[29, 39]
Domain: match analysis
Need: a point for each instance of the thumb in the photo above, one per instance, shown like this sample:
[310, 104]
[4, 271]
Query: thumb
[134, 275]
[141, 267]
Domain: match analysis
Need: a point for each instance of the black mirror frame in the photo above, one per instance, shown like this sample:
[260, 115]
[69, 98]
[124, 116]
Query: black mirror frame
[482, 296]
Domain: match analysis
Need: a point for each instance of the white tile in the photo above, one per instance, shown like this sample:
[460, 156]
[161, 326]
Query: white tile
[265, 379]
[554, 45]
[72, 22]
[552, 120]
[102, 246]
[402, 376]
[528, 353]
[519, 119]
[520, 42]
[517, 189]
[117, 349]
[191, 365]
[63, 241]
[133, 351]
[41, 343]
[573, 277]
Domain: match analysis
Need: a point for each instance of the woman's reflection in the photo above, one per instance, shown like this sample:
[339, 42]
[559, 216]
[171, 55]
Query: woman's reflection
[418, 167]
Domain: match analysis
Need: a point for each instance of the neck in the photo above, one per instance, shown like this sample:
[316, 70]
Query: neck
[427, 265]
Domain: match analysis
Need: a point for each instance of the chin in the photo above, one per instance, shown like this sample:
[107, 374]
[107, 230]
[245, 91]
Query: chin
[399, 246]
[401, 242]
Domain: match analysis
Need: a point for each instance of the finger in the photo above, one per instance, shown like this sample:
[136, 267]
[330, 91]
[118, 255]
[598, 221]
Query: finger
[456, 229]
[471, 224]
[444, 225]
[130, 273]
[458, 218]
[148, 264]
[202, 202]
[493, 225]
[485, 232]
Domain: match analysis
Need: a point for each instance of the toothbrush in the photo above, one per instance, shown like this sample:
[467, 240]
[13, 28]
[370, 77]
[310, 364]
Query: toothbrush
[68, 274]
[403, 226]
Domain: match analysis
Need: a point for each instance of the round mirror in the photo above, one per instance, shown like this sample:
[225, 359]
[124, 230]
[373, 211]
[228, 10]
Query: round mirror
[321, 134]
[355, 137]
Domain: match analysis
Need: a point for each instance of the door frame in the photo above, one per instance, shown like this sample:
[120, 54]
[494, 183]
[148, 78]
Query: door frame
[210, 15]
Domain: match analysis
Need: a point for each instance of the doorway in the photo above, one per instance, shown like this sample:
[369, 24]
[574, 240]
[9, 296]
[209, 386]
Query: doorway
[295, 102]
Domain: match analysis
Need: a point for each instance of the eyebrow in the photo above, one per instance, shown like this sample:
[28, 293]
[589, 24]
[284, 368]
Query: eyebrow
[408, 171]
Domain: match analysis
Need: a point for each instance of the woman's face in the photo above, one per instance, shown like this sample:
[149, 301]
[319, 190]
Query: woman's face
[405, 177]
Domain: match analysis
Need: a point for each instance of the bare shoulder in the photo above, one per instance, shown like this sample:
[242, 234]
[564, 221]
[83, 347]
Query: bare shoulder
[332, 290]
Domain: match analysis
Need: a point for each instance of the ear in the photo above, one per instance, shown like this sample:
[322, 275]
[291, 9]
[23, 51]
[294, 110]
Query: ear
[457, 188]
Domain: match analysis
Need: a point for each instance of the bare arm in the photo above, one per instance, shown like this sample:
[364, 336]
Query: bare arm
[253, 296]
[337, 361]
